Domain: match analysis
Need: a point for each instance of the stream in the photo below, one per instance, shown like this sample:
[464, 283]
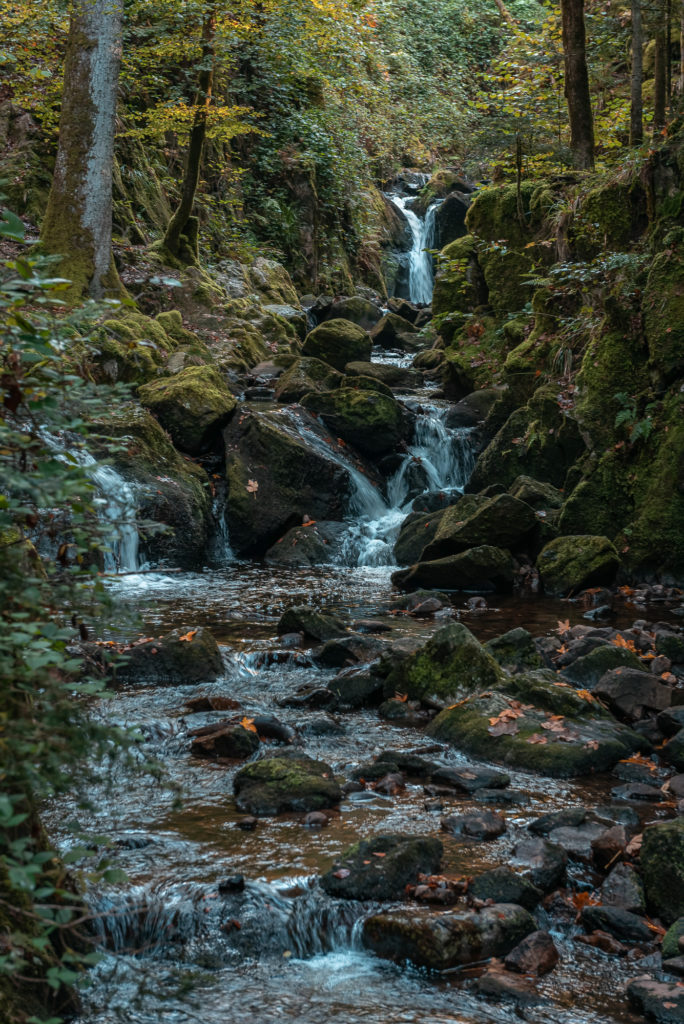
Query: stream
[182, 941]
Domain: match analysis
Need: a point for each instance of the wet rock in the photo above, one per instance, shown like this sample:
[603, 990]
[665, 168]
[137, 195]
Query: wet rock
[370, 626]
[588, 670]
[224, 739]
[570, 818]
[310, 697]
[193, 406]
[357, 687]
[605, 942]
[671, 720]
[304, 377]
[290, 781]
[501, 521]
[396, 333]
[451, 938]
[371, 771]
[372, 422]
[413, 765]
[498, 983]
[536, 494]
[311, 544]
[415, 533]
[505, 886]
[623, 889]
[536, 954]
[324, 725]
[382, 867]
[236, 883]
[482, 568]
[570, 564]
[544, 863]
[403, 712]
[179, 658]
[632, 694]
[350, 650]
[607, 847]
[269, 727]
[390, 784]
[671, 940]
[673, 751]
[211, 702]
[469, 779]
[671, 645]
[338, 342]
[475, 825]
[248, 823]
[315, 625]
[638, 792]
[278, 471]
[398, 377]
[662, 868]
[674, 965]
[315, 819]
[357, 310]
[515, 650]
[504, 797]
[621, 924]
[658, 1000]
[577, 841]
[451, 664]
[497, 727]
[675, 786]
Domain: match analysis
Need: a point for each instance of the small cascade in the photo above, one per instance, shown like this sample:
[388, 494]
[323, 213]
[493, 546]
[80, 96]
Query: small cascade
[421, 267]
[116, 501]
[221, 552]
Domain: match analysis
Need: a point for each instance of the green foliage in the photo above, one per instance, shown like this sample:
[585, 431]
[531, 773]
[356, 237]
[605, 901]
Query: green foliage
[638, 427]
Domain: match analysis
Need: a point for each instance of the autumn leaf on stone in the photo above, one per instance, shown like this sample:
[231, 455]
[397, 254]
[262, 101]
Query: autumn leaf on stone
[536, 737]
[586, 695]
[591, 745]
[252, 487]
[634, 845]
[563, 626]
[248, 723]
[188, 637]
[342, 873]
[400, 697]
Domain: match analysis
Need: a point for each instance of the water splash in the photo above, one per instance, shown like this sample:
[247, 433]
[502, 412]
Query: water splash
[421, 267]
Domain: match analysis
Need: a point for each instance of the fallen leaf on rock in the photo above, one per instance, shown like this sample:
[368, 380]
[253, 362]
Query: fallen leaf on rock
[536, 737]
[379, 854]
[586, 695]
[620, 641]
[580, 900]
[634, 845]
[252, 487]
[342, 873]
[563, 626]
[248, 723]
[188, 637]
[400, 697]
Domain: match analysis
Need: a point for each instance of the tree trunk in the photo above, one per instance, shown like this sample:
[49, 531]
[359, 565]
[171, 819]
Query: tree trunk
[661, 61]
[78, 220]
[636, 122]
[681, 50]
[577, 84]
[181, 238]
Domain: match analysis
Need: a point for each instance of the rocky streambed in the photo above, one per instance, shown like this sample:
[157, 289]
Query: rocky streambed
[382, 816]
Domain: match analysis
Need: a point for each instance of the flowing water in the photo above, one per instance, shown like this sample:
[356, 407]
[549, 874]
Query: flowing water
[421, 265]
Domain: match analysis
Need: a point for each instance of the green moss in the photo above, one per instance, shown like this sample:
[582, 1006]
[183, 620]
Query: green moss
[670, 947]
[607, 218]
[493, 214]
[662, 865]
[338, 342]
[602, 501]
[459, 284]
[569, 564]
[505, 273]
[663, 305]
[305, 376]
[192, 406]
[613, 362]
[514, 650]
[370, 420]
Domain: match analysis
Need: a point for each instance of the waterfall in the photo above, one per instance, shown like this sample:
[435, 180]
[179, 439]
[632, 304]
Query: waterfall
[421, 267]
[116, 501]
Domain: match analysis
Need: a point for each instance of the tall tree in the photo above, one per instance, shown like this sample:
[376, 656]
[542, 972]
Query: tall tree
[78, 220]
[661, 63]
[180, 238]
[577, 84]
[636, 121]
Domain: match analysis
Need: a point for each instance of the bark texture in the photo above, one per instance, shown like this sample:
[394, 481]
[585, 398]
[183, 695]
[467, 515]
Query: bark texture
[661, 62]
[577, 84]
[78, 220]
[636, 120]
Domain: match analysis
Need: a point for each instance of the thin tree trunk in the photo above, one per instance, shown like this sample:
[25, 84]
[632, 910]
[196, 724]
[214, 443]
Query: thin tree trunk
[505, 13]
[681, 50]
[181, 224]
[661, 59]
[78, 220]
[636, 122]
[577, 84]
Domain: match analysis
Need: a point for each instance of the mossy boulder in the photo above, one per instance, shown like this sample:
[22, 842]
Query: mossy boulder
[570, 564]
[671, 939]
[662, 868]
[537, 440]
[131, 347]
[395, 333]
[272, 282]
[382, 867]
[502, 885]
[372, 422]
[416, 531]
[459, 283]
[505, 273]
[484, 568]
[183, 657]
[393, 376]
[306, 376]
[588, 741]
[452, 663]
[663, 305]
[501, 521]
[310, 544]
[514, 650]
[607, 219]
[357, 310]
[535, 493]
[315, 625]
[614, 362]
[276, 476]
[603, 500]
[338, 342]
[290, 781]
[449, 939]
[367, 384]
[170, 490]
[193, 406]
[586, 671]
[493, 213]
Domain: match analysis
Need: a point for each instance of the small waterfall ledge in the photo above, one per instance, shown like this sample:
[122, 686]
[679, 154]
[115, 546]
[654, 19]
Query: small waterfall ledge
[420, 263]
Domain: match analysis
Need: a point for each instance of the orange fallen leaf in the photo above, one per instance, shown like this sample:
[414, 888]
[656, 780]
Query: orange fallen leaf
[248, 723]
[379, 855]
[536, 737]
[563, 626]
[586, 695]
[188, 637]
[401, 698]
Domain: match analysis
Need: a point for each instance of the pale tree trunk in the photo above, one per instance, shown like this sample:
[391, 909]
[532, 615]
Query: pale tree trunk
[181, 238]
[661, 61]
[78, 220]
[636, 121]
[577, 84]
[681, 50]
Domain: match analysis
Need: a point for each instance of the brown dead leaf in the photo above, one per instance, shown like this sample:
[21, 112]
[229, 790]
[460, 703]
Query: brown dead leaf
[252, 487]
[188, 637]
[563, 626]
[536, 737]
[586, 695]
[634, 845]
[248, 724]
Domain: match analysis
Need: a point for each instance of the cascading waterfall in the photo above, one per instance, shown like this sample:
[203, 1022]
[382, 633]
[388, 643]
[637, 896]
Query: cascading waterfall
[116, 501]
[421, 268]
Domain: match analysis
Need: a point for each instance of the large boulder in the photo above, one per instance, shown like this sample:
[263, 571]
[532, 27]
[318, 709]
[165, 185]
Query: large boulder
[304, 377]
[372, 422]
[515, 650]
[338, 342]
[484, 568]
[632, 694]
[660, 1001]
[313, 624]
[395, 332]
[387, 373]
[290, 781]
[193, 406]
[535, 493]
[311, 544]
[183, 657]
[509, 730]
[451, 938]
[451, 664]
[277, 475]
[570, 564]
[663, 304]
[586, 671]
[501, 521]
[357, 310]
[382, 867]
[662, 868]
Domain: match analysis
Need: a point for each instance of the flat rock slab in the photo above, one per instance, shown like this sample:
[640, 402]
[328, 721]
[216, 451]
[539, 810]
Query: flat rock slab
[439, 940]
[577, 841]
[382, 867]
[289, 782]
[179, 658]
[476, 825]
[659, 1000]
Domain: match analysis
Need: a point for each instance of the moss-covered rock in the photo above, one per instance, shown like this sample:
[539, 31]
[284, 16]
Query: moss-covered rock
[662, 868]
[372, 422]
[501, 885]
[396, 333]
[452, 663]
[614, 362]
[276, 477]
[514, 650]
[493, 213]
[538, 495]
[607, 219]
[483, 568]
[459, 283]
[501, 521]
[382, 867]
[183, 657]
[360, 383]
[663, 305]
[304, 377]
[357, 310]
[569, 564]
[602, 502]
[579, 745]
[272, 282]
[586, 671]
[416, 531]
[131, 347]
[193, 406]
[450, 939]
[310, 544]
[537, 440]
[338, 342]
[290, 781]
[671, 939]
[505, 273]
[387, 373]
[314, 624]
